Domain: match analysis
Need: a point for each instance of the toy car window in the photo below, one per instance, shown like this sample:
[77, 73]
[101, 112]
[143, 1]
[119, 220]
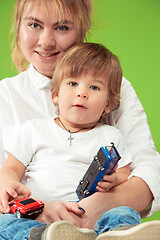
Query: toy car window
[11, 204]
[27, 201]
[113, 153]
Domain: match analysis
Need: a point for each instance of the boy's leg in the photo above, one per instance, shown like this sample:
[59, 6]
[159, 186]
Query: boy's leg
[117, 217]
[112, 219]
[13, 228]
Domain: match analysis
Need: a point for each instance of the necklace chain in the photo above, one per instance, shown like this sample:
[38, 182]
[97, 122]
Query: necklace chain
[70, 138]
[67, 129]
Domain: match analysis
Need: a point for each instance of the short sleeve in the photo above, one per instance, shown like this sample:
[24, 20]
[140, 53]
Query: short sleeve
[18, 141]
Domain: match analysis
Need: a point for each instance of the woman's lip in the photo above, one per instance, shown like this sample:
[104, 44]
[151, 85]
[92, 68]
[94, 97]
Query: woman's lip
[47, 55]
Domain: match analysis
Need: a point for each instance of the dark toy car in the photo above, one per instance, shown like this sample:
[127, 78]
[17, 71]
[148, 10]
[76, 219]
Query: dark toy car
[26, 207]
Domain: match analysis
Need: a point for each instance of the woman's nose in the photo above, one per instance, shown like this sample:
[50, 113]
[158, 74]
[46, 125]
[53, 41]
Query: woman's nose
[46, 39]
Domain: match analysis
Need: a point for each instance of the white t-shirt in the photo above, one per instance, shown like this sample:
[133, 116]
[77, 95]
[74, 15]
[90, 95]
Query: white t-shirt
[27, 96]
[53, 166]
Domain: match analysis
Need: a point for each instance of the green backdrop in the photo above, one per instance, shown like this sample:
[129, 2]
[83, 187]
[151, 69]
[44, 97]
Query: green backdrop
[131, 29]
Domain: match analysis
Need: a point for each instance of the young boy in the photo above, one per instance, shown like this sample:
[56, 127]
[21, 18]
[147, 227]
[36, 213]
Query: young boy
[52, 155]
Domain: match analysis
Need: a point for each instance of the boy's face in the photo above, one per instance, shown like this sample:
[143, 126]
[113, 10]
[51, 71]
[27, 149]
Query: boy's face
[82, 100]
[43, 36]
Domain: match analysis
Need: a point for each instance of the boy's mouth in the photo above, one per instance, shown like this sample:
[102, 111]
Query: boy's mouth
[79, 106]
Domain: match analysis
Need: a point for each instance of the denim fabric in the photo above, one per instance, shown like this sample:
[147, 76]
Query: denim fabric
[13, 228]
[117, 217]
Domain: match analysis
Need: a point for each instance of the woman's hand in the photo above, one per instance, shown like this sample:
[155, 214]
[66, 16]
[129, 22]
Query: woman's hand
[61, 210]
[12, 191]
[74, 212]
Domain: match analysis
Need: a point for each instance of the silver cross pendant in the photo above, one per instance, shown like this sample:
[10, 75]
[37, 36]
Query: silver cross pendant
[70, 139]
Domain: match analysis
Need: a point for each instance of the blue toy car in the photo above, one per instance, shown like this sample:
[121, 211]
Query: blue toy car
[104, 163]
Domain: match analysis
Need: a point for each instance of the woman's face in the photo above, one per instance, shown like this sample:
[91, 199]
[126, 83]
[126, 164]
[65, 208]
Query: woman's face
[43, 37]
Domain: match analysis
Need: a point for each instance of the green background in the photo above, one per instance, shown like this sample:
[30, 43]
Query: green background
[131, 29]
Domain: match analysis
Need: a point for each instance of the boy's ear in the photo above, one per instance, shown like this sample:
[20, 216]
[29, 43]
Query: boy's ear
[107, 108]
[55, 98]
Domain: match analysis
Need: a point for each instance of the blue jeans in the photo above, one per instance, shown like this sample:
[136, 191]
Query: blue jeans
[13, 228]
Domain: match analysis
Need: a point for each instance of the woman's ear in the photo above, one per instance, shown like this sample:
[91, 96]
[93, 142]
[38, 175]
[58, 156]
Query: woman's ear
[55, 98]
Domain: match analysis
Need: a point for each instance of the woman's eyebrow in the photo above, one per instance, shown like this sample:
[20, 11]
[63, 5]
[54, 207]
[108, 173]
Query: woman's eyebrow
[33, 19]
[65, 21]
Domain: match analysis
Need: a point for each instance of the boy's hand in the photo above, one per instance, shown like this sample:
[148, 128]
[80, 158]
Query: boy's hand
[11, 191]
[107, 182]
[118, 176]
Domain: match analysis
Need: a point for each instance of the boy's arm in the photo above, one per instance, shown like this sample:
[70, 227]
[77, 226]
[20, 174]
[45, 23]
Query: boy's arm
[12, 170]
[10, 177]
[123, 174]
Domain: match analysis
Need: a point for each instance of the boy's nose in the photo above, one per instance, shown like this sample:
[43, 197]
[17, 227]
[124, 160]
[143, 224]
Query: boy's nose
[82, 94]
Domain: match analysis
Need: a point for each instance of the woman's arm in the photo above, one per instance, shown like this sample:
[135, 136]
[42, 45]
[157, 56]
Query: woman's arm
[129, 193]
[133, 193]
[131, 120]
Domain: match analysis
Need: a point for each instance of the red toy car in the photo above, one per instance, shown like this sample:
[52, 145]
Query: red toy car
[25, 207]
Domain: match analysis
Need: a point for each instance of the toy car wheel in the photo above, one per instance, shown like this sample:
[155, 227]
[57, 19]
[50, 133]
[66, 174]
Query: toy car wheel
[81, 182]
[86, 192]
[101, 168]
[19, 214]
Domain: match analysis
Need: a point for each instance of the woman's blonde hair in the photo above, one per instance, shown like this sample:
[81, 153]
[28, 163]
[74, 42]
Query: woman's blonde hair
[78, 10]
[90, 58]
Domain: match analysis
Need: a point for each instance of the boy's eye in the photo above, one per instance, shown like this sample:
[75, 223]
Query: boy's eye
[94, 87]
[34, 25]
[63, 28]
[73, 84]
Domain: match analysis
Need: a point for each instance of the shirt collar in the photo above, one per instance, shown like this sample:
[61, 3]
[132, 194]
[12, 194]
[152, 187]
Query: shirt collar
[38, 80]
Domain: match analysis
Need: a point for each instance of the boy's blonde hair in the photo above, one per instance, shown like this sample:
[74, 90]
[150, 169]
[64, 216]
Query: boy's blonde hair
[90, 58]
[78, 10]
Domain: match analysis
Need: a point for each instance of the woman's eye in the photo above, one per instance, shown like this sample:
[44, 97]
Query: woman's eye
[63, 28]
[73, 84]
[34, 25]
[94, 88]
